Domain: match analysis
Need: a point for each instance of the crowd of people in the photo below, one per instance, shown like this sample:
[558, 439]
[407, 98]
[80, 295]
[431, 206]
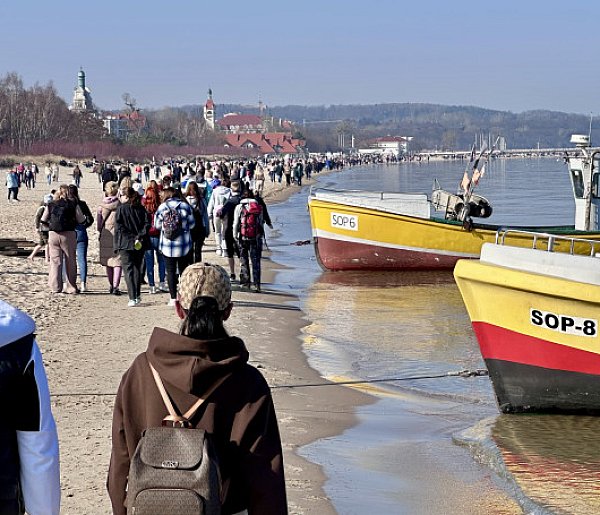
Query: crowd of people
[142, 225]
[149, 220]
[146, 225]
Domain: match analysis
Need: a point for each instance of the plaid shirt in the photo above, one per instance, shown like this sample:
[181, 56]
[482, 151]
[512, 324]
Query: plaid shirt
[181, 245]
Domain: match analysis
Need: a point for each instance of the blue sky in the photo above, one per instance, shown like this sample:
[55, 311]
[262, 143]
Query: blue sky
[505, 55]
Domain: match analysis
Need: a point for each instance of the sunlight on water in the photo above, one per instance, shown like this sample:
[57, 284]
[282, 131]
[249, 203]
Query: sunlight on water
[554, 459]
[393, 325]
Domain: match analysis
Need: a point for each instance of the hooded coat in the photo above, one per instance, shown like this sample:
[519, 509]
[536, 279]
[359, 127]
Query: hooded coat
[239, 414]
[106, 228]
[29, 458]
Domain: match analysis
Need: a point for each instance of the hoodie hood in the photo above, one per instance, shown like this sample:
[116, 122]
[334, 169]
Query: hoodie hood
[14, 324]
[110, 203]
[222, 190]
[193, 365]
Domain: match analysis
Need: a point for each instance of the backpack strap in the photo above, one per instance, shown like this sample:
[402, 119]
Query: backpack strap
[173, 416]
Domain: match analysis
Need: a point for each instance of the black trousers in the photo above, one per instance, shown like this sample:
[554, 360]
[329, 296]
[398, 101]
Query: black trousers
[250, 250]
[13, 192]
[131, 260]
[175, 267]
[196, 252]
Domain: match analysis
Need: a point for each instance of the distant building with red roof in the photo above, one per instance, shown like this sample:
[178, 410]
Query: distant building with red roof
[234, 123]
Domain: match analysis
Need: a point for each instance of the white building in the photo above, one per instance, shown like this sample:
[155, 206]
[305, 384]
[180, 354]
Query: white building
[116, 126]
[390, 145]
[82, 99]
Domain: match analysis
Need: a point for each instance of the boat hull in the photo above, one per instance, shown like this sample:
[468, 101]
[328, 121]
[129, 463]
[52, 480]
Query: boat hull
[348, 237]
[335, 254]
[530, 374]
[538, 336]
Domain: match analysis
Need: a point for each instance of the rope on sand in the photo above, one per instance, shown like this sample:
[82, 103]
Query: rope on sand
[459, 373]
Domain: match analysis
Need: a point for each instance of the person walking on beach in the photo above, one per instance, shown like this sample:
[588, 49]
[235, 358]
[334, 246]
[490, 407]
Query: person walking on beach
[131, 240]
[238, 415]
[259, 180]
[227, 214]
[219, 197]
[298, 173]
[151, 201]
[30, 471]
[105, 223]
[29, 178]
[12, 185]
[77, 175]
[48, 173]
[157, 171]
[82, 237]
[108, 175]
[287, 171]
[174, 219]
[201, 230]
[62, 216]
[55, 172]
[248, 231]
[42, 229]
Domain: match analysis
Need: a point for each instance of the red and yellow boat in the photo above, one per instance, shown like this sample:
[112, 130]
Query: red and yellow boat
[535, 312]
[360, 230]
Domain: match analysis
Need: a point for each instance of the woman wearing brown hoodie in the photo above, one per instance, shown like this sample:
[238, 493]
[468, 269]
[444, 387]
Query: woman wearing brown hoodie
[239, 413]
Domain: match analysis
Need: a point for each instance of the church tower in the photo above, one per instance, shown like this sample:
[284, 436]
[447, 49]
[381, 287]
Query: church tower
[209, 111]
[82, 99]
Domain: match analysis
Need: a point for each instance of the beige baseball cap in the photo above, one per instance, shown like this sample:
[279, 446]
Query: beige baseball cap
[204, 279]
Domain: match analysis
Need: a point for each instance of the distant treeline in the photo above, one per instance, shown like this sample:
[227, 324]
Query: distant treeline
[35, 120]
[432, 126]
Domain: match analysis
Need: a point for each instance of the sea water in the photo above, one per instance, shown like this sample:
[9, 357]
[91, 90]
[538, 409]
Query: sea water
[411, 329]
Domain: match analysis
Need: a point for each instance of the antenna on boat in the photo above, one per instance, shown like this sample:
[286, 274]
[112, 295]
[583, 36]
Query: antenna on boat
[590, 132]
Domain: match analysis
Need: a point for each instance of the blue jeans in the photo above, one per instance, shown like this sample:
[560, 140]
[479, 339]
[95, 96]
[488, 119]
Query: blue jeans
[82, 248]
[149, 257]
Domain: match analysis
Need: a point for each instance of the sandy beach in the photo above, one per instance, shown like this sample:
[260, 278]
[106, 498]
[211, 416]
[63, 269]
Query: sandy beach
[89, 340]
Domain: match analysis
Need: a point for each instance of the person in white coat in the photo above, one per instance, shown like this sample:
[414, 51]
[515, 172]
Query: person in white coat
[220, 195]
[29, 458]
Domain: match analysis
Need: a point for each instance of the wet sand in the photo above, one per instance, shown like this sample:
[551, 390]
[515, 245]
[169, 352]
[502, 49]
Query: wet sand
[89, 340]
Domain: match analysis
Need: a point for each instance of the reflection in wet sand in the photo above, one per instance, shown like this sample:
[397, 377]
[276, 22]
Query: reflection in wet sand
[555, 460]
[374, 325]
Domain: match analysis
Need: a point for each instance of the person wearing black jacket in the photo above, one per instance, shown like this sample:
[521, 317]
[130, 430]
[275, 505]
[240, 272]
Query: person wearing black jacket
[131, 240]
[82, 236]
[227, 213]
[108, 175]
[62, 216]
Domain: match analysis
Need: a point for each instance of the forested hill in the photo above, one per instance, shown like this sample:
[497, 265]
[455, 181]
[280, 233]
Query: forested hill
[431, 125]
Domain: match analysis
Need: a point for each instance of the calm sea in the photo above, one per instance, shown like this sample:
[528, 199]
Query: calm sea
[398, 326]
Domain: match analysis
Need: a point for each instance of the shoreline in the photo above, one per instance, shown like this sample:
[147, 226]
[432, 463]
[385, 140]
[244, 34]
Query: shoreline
[89, 340]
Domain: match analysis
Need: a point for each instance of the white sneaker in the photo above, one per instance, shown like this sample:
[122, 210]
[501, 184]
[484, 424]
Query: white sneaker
[138, 300]
[163, 286]
[82, 288]
[171, 302]
[153, 290]
[131, 303]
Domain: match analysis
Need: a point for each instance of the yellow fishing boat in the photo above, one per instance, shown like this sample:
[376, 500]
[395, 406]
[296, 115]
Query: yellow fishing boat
[359, 230]
[535, 313]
